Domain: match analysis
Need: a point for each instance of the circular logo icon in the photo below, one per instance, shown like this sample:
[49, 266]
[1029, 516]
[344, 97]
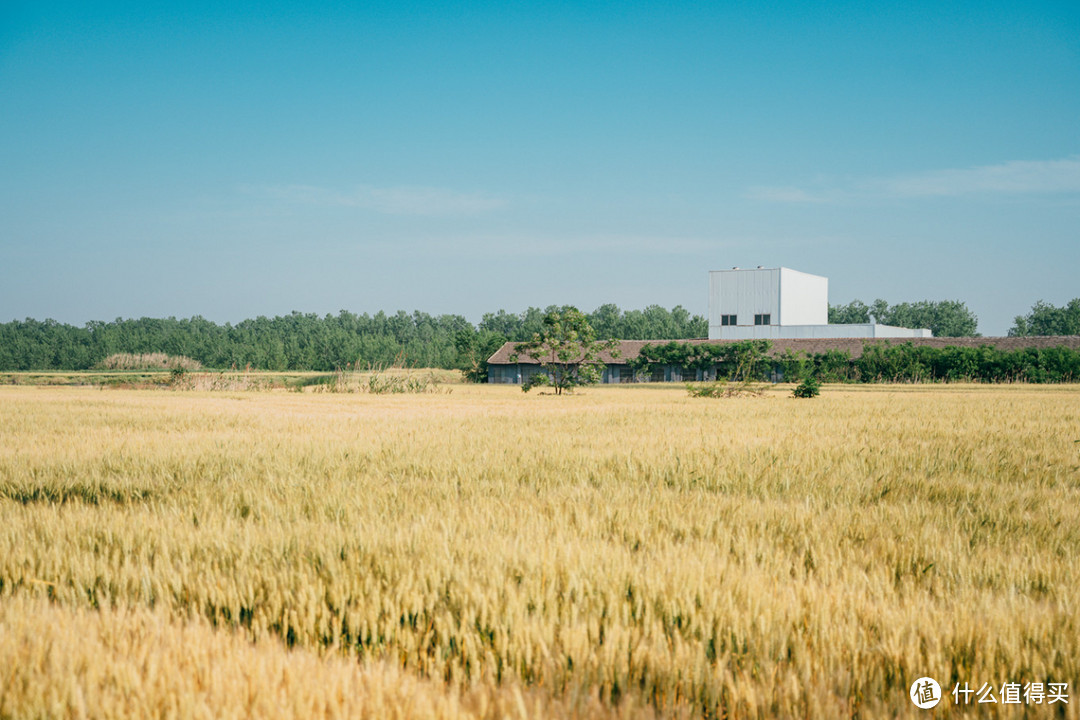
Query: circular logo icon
[925, 693]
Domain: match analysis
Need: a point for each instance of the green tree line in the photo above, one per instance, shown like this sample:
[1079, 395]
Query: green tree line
[911, 363]
[945, 318]
[879, 362]
[306, 341]
[952, 318]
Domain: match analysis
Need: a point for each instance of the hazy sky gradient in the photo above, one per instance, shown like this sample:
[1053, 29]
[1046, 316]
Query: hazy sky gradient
[182, 159]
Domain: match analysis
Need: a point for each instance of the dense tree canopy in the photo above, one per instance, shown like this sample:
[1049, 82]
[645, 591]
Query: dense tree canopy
[305, 341]
[743, 360]
[1046, 319]
[879, 362]
[945, 318]
[608, 321]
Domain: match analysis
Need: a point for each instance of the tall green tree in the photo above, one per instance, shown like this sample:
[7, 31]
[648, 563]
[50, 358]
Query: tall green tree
[606, 320]
[1046, 319]
[567, 350]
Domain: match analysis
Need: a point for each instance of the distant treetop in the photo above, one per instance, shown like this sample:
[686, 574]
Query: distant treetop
[945, 318]
[1045, 319]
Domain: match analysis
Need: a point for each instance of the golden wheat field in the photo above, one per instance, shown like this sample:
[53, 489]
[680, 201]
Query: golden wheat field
[625, 552]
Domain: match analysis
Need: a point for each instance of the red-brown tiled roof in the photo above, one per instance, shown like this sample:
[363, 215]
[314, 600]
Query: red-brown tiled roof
[630, 349]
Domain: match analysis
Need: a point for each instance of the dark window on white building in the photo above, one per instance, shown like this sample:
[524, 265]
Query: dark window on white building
[728, 320]
[762, 319]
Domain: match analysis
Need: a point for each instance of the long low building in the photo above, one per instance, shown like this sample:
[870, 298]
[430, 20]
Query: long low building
[505, 366]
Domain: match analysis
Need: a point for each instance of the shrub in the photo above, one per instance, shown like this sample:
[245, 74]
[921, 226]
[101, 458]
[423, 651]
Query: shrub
[808, 388]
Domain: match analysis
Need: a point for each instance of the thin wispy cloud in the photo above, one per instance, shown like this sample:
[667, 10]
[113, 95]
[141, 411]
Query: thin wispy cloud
[398, 200]
[1020, 177]
[557, 245]
[791, 194]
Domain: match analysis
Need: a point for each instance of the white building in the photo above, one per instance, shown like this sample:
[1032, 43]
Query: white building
[770, 303]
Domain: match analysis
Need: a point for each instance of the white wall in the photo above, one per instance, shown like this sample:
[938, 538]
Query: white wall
[744, 293]
[776, 332]
[804, 298]
[788, 296]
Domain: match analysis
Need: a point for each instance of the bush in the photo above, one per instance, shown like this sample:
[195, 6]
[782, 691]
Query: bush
[808, 388]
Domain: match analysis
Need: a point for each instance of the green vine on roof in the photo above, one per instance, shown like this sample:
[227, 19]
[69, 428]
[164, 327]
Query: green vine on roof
[740, 360]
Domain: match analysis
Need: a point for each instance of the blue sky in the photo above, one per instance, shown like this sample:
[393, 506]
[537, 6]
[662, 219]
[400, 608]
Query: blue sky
[190, 159]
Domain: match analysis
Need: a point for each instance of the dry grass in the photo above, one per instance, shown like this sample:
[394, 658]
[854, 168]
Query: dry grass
[224, 381]
[142, 664]
[148, 361]
[631, 546]
[386, 381]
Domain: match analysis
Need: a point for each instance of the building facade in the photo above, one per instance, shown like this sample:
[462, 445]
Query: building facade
[774, 303]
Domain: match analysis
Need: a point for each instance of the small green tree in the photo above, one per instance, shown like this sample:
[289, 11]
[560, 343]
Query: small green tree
[808, 388]
[567, 350]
